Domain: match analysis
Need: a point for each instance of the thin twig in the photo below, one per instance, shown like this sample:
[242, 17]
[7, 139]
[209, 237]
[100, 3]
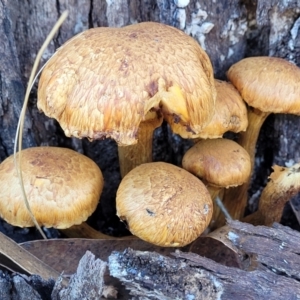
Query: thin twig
[223, 208]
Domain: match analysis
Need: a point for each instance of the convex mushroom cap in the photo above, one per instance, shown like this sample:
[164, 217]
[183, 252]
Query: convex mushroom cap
[219, 163]
[164, 204]
[104, 81]
[230, 112]
[63, 187]
[270, 84]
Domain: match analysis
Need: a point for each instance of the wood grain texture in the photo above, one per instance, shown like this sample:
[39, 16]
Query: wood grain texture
[267, 275]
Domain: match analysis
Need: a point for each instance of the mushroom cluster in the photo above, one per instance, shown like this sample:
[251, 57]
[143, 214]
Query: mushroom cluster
[268, 85]
[121, 83]
[122, 88]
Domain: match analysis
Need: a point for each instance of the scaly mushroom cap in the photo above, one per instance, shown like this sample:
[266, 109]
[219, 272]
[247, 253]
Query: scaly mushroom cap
[270, 84]
[104, 81]
[283, 185]
[220, 163]
[63, 188]
[164, 204]
[230, 112]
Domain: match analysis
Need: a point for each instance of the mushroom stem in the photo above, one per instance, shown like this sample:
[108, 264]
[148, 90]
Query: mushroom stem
[284, 183]
[134, 155]
[255, 218]
[248, 138]
[214, 193]
[235, 199]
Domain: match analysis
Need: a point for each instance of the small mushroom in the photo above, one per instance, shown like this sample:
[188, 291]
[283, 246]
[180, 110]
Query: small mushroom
[63, 188]
[163, 204]
[230, 113]
[120, 83]
[268, 85]
[283, 184]
[220, 164]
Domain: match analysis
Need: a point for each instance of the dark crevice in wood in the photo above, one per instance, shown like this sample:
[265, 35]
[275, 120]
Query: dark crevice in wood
[58, 34]
[91, 25]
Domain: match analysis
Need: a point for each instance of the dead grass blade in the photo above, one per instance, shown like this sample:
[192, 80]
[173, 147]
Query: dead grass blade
[19, 132]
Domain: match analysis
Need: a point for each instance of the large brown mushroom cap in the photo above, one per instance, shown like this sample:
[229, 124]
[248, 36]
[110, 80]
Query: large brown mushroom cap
[104, 81]
[220, 163]
[63, 188]
[164, 204]
[270, 84]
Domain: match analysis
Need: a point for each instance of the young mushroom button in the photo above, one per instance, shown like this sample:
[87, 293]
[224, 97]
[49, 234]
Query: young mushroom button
[120, 83]
[268, 85]
[164, 204]
[63, 188]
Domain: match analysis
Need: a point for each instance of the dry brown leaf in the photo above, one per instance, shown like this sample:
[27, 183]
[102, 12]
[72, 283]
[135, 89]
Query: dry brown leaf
[85, 231]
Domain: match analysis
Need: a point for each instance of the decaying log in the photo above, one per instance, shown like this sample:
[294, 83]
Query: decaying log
[274, 249]
[268, 268]
[87, 283]
[271, 269]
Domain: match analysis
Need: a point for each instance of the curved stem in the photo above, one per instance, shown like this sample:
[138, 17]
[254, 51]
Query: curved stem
[284, 183]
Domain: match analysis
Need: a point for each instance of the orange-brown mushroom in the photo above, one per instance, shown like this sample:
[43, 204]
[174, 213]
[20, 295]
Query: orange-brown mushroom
[268, 85]
[230, 114]
[283, 184]
[63, 188]
[164, 204]
[120, 83]
[220, 164]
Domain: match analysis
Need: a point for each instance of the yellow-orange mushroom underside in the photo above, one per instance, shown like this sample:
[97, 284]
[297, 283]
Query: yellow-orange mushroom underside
[104, 81]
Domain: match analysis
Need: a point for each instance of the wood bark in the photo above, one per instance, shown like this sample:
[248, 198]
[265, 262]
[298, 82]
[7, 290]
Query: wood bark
[228, 30]
[259, 263]
[265, 274]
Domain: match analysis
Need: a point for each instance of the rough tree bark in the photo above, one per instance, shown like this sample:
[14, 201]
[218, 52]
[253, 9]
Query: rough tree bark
[263, 275]
[228, 30]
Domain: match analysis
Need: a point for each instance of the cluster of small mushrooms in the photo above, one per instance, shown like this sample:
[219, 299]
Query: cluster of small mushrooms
[121, 83]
